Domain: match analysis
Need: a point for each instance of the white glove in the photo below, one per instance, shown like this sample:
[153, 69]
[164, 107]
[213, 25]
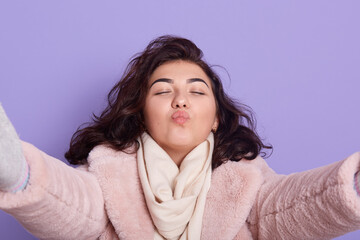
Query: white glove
[357, 182]
[13, 166]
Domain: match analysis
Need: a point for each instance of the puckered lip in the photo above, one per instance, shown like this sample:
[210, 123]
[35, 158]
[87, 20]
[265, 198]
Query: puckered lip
[180, 114]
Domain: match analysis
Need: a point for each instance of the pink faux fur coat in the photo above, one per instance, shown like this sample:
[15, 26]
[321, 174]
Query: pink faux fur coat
[247, 200]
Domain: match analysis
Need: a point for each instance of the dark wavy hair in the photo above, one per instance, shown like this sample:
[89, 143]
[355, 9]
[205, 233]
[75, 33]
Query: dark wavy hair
[122, 121]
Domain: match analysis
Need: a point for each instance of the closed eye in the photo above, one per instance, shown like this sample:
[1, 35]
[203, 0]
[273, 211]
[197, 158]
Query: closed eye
[196, 92]
[163, 92]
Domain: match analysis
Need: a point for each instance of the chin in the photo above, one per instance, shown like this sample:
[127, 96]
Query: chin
[181, 136]
[180, 141]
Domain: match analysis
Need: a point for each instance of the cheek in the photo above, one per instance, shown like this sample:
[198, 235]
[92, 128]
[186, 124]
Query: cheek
[208, 112]
[154, 113]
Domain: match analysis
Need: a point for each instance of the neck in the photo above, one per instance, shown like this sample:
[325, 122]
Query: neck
[176, 155]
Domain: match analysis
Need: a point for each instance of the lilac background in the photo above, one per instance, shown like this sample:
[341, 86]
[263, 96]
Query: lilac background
[296, 63]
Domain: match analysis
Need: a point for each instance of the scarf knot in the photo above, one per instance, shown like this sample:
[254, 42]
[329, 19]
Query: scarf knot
[175, 196]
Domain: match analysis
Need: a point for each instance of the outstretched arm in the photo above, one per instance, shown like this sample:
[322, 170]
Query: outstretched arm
[14, 171]
[317, 204]
[59, 202]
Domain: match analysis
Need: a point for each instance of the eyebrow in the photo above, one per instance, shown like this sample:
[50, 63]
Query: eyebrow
[168, 80]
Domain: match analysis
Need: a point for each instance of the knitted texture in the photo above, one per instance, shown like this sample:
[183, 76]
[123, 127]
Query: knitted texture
[14, 172]
[357, 182]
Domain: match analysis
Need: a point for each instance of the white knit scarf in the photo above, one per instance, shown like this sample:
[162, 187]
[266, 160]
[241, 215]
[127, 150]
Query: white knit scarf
[175, 196]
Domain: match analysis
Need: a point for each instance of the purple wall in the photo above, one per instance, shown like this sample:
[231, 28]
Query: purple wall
[295, 62]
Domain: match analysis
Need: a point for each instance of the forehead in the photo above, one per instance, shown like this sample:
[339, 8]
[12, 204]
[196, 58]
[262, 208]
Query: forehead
[179, 70]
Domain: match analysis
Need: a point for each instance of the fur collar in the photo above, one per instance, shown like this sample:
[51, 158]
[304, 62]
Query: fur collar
[232, 193]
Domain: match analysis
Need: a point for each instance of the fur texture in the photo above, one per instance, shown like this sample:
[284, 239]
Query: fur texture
[246, 200]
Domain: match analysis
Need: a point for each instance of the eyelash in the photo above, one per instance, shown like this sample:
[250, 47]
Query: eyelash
[159, 93]
[195, 92]
[200, 93]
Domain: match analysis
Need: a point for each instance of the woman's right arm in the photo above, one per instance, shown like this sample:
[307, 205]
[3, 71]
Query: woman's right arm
[14, 171]
[59, 202]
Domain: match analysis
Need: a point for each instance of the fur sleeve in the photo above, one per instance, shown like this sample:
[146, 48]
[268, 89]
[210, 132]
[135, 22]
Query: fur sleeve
[59, 202]
[317, 204]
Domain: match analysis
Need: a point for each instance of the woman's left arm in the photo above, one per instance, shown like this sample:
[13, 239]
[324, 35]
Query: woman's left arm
[321, 203]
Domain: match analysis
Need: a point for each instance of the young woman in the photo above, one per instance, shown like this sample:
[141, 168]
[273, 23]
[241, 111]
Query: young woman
[171, 157]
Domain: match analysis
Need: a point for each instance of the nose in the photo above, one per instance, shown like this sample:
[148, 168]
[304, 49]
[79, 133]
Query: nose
[180, 101]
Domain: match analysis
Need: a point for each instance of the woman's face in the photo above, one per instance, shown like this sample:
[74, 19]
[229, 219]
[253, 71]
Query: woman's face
[180, 108]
